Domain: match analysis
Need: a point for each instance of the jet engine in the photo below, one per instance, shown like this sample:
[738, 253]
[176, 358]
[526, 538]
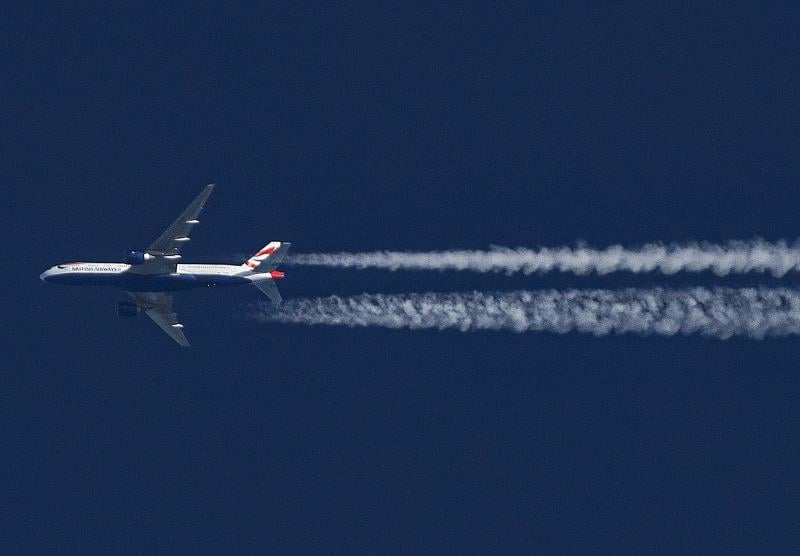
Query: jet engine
[137, 257]
[127, 309]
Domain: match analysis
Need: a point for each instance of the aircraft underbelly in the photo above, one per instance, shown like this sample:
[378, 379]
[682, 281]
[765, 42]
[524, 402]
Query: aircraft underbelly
[172, 282]
[151, 282]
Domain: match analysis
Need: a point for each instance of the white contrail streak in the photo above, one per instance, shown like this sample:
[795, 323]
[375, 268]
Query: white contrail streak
[732, 257]
[716, 312]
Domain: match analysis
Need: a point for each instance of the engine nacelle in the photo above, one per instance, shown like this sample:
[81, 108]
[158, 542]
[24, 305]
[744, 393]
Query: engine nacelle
[127, 309]
[137, 257]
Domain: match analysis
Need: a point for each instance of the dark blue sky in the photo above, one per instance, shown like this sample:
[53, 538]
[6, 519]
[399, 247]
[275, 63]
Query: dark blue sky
[415, 127]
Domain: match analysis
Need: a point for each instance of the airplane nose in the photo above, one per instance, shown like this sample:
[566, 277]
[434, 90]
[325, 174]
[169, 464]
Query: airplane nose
[44, 275]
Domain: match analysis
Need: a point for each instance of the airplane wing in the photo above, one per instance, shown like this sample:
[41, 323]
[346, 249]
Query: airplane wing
[167, 247]
[158, 306]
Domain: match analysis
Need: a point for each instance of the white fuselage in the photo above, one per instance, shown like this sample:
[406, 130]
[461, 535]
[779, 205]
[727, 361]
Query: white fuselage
[124, 275]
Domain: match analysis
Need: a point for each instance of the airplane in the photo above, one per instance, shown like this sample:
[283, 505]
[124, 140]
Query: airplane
[149, 276]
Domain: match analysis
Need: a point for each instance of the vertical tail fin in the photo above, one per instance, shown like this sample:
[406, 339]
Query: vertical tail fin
[267, 258]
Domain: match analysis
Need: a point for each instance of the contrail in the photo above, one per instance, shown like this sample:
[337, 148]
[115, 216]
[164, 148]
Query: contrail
[713, 312]
[732, 257]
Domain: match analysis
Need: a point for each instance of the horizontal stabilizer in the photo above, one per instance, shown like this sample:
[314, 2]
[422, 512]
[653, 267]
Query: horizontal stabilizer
[270, 290]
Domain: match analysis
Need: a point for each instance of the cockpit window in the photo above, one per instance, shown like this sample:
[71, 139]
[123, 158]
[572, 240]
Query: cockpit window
[61, 266]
